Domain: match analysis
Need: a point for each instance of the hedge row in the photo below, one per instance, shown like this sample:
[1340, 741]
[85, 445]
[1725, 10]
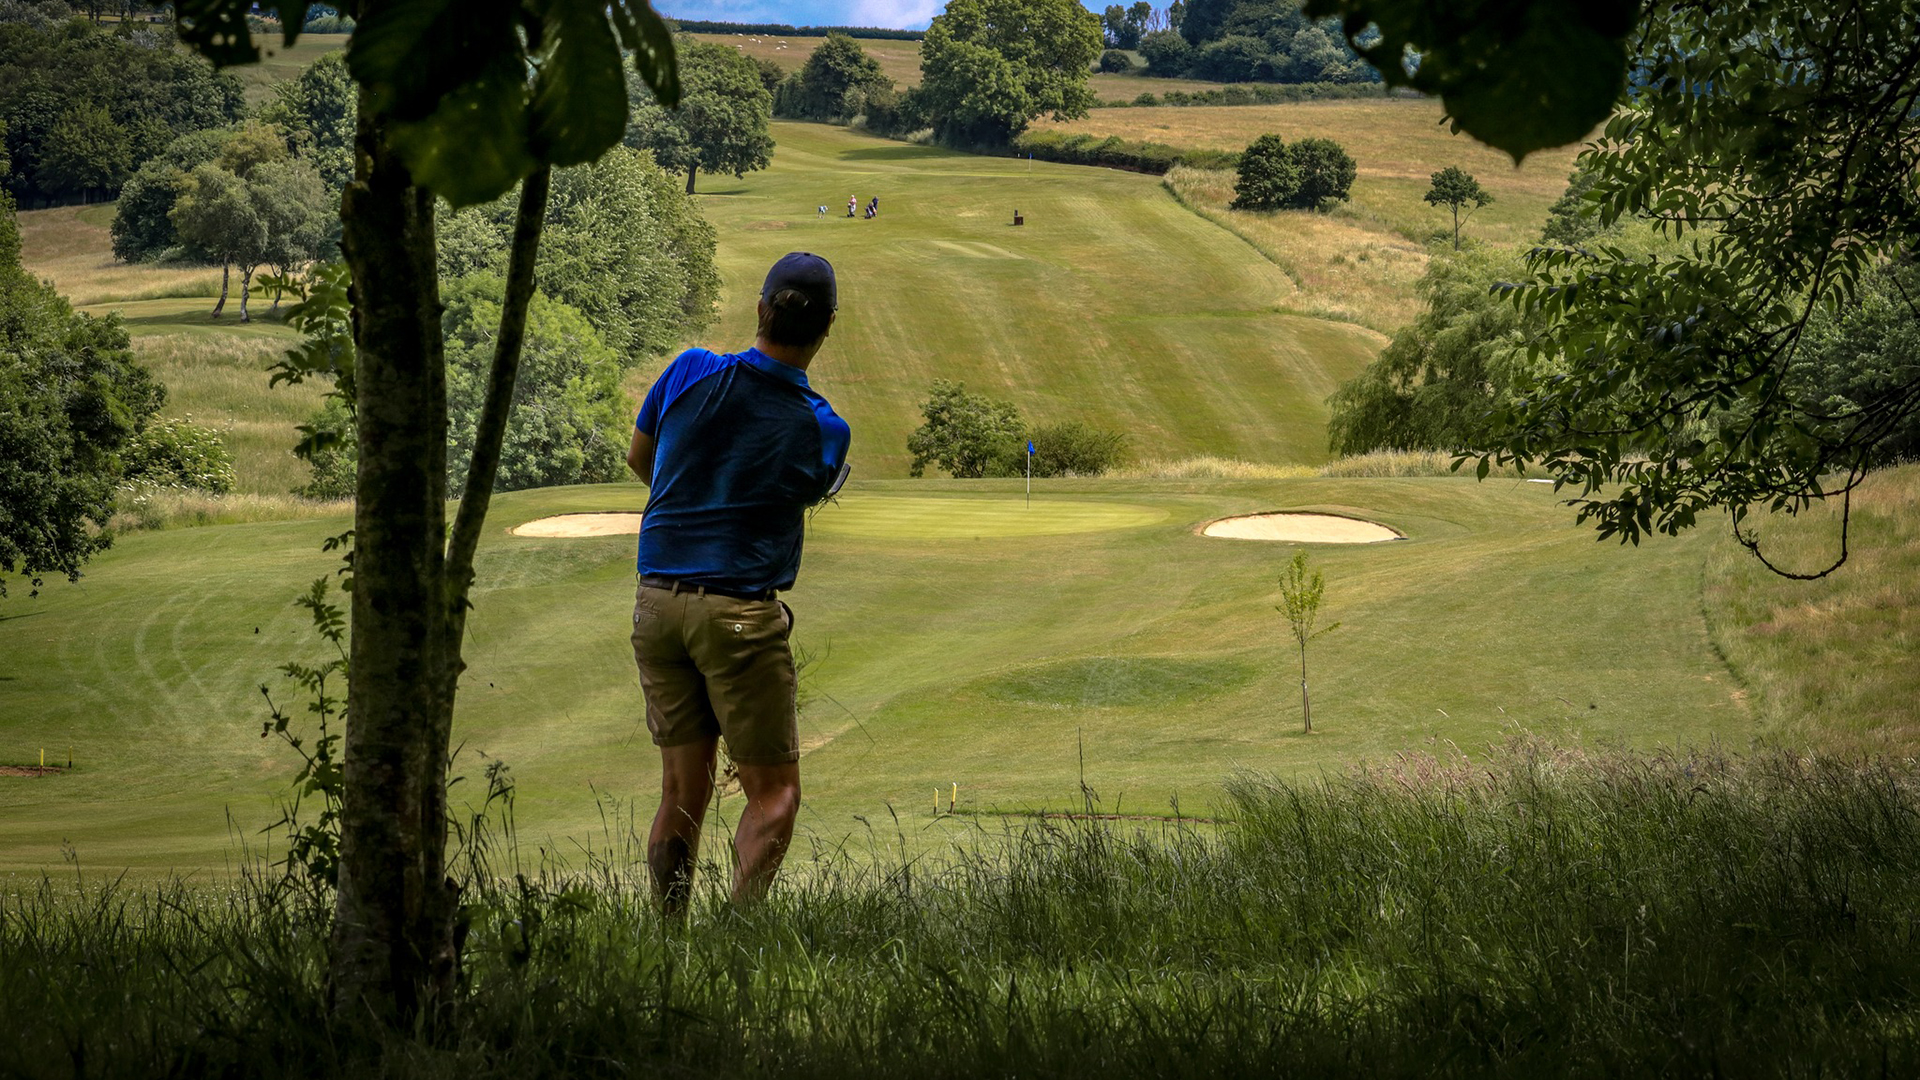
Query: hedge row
[1115, 152]
[1251, 94]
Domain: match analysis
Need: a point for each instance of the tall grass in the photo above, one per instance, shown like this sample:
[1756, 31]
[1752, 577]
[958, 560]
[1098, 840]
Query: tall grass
[1544, 913]
[1375, 464]
[1831, 662]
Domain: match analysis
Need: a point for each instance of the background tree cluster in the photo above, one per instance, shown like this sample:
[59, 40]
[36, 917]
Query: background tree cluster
[1305, 175]
[1124, 26]
[972, 435]
[625, 273]
[837, 83]
[72, 400]
[85, 106]
[1253, 41]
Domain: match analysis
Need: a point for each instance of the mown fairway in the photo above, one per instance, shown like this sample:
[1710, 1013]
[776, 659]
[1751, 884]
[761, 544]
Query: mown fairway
[1112, 305]
[977, 656]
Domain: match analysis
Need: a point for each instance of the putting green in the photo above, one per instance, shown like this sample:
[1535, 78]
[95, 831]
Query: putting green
[913, 517]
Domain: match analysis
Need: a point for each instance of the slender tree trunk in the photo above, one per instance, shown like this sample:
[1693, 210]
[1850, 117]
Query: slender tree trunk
[393, 917]
[226, 271]
[691, 170]
[396, 941]
[1456, 228]
[1306, 706]
[246, 290]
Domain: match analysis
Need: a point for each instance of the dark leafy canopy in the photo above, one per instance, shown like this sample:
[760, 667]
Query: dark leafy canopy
[1258, 40]
[990, 67]
[1782, 143]
[965, 434]
[83, 108]
[71, 396]
[1519, 75]
[316, 111]
[1267, 179]
[721, 122]
[454, 76]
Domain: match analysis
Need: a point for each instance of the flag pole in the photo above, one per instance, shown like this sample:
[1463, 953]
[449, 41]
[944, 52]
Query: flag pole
[1029, 474]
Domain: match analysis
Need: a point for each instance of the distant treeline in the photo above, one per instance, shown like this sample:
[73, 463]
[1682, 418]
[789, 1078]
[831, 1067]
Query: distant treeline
[702, 26]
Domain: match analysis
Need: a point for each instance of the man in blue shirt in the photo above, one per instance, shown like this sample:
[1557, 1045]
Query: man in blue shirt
[734, 449]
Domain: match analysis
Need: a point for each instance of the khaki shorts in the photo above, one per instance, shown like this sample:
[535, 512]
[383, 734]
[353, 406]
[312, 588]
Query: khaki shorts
[715, 666]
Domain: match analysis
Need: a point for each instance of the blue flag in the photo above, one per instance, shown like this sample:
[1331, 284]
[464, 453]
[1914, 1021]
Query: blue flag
[1029, 447]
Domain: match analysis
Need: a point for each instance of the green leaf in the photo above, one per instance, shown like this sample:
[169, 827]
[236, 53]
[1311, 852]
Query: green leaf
[647, 36]
[579, 104]
[1519, 75]
[412, 53]
[217, 29]
[473, 149]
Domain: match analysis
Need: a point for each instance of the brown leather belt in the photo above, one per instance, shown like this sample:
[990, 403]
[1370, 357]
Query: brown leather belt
[674, 585]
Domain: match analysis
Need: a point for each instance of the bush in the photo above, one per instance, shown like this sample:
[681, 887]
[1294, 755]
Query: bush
[1074, 448]
[1235, 58]
[1326, 172]
[1113, 60]
[968, 435]
[1146, 100]
[1268, 178]
[178, 454]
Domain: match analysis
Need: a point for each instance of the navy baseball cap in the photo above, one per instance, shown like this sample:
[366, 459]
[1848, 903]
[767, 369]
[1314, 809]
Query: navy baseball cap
[807, 274]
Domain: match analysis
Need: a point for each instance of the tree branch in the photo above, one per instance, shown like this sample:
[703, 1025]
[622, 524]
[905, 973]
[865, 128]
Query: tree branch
[491, 430]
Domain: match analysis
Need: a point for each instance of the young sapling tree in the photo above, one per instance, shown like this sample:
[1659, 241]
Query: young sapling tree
[1455, 188]
[1300, 594]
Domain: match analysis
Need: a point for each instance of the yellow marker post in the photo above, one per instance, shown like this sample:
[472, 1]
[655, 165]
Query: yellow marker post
[953, 798]
[43, 757]
[936, 802]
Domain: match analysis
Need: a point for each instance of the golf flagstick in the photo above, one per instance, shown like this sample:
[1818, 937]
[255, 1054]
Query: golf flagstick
[1029, 474]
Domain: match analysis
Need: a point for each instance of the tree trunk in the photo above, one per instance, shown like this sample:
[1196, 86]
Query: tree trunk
[396, 945]
[393, 916]
[691, 170]
[226, 270]
[1306, 706]
[246, 289]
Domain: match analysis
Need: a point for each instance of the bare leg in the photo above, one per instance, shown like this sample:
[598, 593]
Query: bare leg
[760, 840]
[686, 784]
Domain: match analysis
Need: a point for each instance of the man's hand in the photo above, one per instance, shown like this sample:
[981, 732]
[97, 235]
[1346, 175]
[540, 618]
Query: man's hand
[640, 456]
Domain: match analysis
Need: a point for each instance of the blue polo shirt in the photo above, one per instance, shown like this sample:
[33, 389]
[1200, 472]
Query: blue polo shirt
[742, 446]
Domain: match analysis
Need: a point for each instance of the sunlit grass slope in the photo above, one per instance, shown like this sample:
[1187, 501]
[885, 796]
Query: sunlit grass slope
[1111, 305]
[989, 656]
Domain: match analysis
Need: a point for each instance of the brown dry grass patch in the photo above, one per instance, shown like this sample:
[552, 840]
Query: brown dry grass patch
[70, 246]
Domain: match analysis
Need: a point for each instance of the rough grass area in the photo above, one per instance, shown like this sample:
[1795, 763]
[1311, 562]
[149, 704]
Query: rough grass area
[1537, 914]
[70, 246]
[1832, 661]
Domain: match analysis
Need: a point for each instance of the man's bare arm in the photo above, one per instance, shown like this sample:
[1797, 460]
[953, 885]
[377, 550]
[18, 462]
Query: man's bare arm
[640, 456]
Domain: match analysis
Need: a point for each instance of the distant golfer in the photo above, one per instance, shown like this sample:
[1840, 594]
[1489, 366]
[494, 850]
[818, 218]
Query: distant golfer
[852, 201]
[735, 448]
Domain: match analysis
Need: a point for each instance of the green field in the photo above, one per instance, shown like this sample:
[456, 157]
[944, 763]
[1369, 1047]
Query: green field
[961, 638]
[1112, 304]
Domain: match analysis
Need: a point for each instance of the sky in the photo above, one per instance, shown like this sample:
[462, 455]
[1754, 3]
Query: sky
[911, 14]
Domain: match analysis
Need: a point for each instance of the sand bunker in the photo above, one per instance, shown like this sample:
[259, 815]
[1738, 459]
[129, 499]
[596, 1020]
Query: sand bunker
[1301, 529]
[624, 524]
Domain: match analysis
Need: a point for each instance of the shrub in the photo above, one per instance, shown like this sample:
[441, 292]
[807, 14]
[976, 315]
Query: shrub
[1115, 153]
[178, 454]
[1075, 448]
[1268, 177]
[1114, 60]
[1146, 99]
[1326, 172]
